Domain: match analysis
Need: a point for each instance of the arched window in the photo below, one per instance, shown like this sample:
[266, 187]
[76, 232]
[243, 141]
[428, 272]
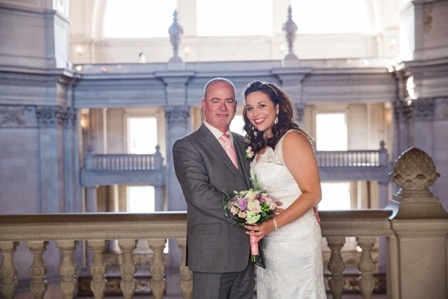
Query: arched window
[329, 16]
[138, 18]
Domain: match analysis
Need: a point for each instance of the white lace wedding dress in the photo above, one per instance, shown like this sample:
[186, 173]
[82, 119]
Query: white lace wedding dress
[293, 255]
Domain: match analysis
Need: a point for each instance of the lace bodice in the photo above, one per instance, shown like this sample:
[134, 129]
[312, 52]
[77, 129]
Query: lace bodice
[274, 176]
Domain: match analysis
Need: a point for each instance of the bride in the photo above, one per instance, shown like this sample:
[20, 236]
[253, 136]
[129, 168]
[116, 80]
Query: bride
[286, 167]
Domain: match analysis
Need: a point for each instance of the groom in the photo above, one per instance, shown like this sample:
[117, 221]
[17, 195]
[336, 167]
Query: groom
[217, 252]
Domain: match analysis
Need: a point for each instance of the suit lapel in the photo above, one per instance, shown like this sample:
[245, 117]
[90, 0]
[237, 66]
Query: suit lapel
[221, 153]
[244, 169]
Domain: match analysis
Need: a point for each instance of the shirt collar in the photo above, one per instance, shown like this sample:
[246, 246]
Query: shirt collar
[217, 133]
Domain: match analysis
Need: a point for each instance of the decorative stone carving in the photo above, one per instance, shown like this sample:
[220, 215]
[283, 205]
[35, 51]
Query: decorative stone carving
[402, 111]
[427, 18]
[49, 115]
[423, 108]
[11, 116]
[177, 115]
[441, 109]
[70, 117]
[414, 170]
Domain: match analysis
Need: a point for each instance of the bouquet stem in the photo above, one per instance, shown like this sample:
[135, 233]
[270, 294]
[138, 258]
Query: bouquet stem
[254, 249]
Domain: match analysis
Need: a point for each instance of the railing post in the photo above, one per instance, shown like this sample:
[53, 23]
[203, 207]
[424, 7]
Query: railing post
[88, 162]
[336, 266]
[127, 268]
[383, 154]
[158, 160]
[8, 271]
[38, 270]
[421, 225]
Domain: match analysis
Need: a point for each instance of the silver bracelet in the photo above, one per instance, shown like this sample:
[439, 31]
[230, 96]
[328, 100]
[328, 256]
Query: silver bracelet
[275, 223]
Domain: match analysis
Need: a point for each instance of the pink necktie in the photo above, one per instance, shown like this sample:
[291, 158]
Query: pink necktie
[230, 150]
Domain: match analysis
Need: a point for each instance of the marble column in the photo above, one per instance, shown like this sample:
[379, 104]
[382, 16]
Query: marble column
[50, 131]
[178, 125]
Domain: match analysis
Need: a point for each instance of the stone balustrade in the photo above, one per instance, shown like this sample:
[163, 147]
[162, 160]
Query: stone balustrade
[70, 230]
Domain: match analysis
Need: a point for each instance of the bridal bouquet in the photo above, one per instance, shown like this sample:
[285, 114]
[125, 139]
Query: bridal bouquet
[251, 206]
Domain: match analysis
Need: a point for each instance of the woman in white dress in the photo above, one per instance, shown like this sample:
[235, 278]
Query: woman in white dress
[286, 167]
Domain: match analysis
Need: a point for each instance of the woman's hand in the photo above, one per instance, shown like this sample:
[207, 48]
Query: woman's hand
[260, 231]
[277, 209]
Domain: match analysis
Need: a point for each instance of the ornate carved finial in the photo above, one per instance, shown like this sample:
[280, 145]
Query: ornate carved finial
[414, 171]
[175, 32]
[290, 29]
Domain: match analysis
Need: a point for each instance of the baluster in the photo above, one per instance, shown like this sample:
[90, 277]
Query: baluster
[68, 268]
[145, 160]
[158, 282]
[102, 163]
[366, 266]
[8, 271]
[336, 266]
[127, 268]
[186, 276]
[98, 268]
[131, 162]
[38, 270]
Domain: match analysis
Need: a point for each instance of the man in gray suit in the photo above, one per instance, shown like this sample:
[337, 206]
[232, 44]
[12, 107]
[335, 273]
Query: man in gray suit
[218, 253]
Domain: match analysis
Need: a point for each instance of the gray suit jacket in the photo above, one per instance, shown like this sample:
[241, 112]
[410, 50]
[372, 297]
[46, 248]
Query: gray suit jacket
[204, 171]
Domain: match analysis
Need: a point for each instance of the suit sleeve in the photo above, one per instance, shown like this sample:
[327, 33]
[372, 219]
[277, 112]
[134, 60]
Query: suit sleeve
[194, 179]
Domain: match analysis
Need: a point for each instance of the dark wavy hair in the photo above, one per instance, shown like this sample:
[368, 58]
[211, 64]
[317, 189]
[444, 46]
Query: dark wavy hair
[254, 137]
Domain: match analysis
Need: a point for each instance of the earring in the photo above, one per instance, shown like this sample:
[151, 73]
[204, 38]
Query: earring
[276, 120]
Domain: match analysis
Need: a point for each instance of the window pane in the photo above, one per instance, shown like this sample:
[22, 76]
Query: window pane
[234, 17]
[335, 196]
[142, 135]
[331, 132]
[329, 16]
[138, 18]
[140, 199]
[238, 124]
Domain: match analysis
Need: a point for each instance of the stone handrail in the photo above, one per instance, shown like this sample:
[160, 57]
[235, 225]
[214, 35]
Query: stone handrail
[68, 230]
